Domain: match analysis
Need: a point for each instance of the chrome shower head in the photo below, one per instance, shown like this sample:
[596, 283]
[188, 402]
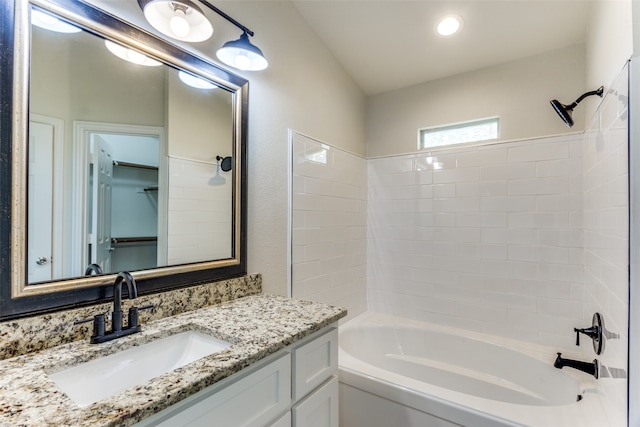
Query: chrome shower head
[565, 111]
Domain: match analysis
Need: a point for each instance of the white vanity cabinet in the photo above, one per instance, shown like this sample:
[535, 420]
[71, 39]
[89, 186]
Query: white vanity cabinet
[295, 387]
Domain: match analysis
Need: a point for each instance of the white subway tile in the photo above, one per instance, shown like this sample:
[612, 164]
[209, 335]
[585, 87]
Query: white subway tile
[507, 172]
[457, 234]
[493, 188]
[537, 152]
[518, 236]
[559, 203]
[560, 307]
[508, 204]
[540, 322]
[538, 186]
[509, 301]
[443, 176]
[444, 219]
[539, 220]
[443, 190]
[467, 189]
[458, 204]
[493, 156]
[481, 313]
[557, 168]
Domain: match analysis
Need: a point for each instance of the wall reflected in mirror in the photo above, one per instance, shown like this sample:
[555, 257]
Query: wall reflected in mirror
[122, 152]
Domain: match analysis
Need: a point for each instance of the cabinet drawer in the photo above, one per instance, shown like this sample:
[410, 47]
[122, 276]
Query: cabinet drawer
[252, 401]
[320, 408]
[314, 362]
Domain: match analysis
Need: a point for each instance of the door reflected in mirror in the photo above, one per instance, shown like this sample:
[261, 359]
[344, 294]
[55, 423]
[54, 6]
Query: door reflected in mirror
[124, 168]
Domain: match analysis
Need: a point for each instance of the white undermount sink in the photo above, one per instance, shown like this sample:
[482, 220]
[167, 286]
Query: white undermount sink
[98, 379]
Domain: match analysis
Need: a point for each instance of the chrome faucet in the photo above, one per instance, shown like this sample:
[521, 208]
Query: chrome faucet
[589, 368]
[99, 334]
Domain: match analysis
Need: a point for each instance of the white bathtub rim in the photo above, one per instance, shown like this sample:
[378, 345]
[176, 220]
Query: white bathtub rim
[392, 386]
[537, 351]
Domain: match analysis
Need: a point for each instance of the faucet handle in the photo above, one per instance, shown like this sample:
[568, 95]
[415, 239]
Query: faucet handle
[98, 325]
[595, 332]
[133, 317]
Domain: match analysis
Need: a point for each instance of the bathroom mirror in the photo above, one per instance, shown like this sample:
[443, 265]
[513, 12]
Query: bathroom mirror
[111, 158]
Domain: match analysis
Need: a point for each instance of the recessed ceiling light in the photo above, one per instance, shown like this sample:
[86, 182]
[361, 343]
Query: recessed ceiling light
[448, 25]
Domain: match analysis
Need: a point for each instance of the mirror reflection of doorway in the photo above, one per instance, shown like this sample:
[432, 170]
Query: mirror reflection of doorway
[45, 180]
[123, 201]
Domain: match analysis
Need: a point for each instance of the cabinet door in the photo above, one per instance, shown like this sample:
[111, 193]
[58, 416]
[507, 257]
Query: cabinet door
[314, 363]
[285, 421]
[251, 401]
[320, 408]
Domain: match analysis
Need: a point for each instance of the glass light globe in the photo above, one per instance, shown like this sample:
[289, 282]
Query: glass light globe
[179, 24]
[242, 62]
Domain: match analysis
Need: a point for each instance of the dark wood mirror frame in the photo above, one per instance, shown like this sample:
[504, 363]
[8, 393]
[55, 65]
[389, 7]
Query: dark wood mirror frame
[97, 289]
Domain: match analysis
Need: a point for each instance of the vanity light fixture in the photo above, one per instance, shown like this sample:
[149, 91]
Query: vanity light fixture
[178, 19]
[51, 23]
[448, 25]
[242, 54]
[196, 82]
[130, 55]
[183, 20]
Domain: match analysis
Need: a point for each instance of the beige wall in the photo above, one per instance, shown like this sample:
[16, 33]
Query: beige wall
[609, 41]
[519, 92]
[199, 122]
[609, 45]
[304, 89]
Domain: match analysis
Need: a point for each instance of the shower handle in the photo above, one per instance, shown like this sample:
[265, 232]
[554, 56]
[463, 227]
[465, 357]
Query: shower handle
[594, 332]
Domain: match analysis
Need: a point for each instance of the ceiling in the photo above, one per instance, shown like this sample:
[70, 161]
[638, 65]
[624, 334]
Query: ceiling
[390, 44]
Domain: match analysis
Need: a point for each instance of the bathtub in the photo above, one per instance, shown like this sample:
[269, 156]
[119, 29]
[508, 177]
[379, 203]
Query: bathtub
[396, 372]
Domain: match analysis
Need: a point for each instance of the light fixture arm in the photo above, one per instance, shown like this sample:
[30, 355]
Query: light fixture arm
[227, 17]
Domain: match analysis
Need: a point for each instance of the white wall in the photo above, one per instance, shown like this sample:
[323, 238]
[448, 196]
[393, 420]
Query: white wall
[519, 92]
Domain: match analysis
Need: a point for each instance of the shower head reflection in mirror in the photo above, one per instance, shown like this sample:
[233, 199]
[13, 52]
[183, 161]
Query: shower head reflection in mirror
[223, 163]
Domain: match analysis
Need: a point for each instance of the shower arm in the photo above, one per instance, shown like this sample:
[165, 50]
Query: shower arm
[598, 92]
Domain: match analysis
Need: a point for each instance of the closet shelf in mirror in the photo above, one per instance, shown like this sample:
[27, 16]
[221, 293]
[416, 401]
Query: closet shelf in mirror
[117, 240]
[150, 188]
[134, 165]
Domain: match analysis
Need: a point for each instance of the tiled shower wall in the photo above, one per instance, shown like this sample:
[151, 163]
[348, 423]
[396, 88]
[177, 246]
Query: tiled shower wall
[524, 239]
[329, 220]
[200, 222]
[606, 230]
[485, 238]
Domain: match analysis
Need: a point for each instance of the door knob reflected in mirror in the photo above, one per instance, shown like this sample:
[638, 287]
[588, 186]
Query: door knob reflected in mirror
[42, 260]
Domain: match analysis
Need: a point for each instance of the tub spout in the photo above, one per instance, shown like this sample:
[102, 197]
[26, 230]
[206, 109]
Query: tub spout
[588, 367]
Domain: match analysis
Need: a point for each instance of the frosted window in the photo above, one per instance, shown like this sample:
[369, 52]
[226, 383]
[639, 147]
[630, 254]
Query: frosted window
[319, 156]
[460, 133]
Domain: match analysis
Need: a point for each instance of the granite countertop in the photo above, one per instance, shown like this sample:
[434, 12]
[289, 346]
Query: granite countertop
[257, 326]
